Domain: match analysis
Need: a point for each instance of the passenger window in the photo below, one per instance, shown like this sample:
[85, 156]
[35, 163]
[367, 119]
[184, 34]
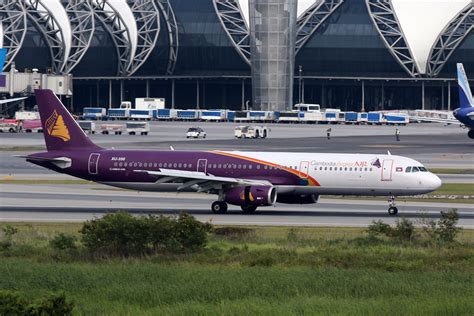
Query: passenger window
[250, 167]
[345, 169]
[140, 164]
[245, 166]
[330, 168]
[124, 164]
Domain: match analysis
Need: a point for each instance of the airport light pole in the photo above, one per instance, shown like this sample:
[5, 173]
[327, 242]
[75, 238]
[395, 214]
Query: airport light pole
[300, 70]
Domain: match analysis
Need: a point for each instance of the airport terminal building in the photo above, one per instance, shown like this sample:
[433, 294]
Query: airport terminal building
[348, 54]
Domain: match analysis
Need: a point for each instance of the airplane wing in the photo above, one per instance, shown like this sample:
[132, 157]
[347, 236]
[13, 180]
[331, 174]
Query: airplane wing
[11, 100]
[201, 181]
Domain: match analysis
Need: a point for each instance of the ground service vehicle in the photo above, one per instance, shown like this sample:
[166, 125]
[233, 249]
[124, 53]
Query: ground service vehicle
[107, 129]
[135, 128]
[87, 126]
[251, 132]
[195, 132]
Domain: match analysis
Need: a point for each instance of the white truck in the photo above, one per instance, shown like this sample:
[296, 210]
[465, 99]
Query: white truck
[251, 132]
[135, 128]
[149, 103]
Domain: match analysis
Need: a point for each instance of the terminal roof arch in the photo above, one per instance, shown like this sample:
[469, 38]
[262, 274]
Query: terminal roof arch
[82, 22]
[416, 34]
[172, 29]
[13, 20]
[450, 39]
[51, 20]
[116, 26]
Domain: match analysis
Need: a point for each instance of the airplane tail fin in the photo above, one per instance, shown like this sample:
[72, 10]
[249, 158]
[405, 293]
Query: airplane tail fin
[3, 57]
[465, 95]
[60, 129]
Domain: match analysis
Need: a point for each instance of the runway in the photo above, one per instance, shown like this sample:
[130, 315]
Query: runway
[76, 203]
[434, 145]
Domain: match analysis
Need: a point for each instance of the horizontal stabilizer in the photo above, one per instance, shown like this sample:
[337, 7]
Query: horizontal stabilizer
[61, 162]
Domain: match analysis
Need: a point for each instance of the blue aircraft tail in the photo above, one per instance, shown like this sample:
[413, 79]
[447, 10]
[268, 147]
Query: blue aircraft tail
[3, 57]
[465, 95]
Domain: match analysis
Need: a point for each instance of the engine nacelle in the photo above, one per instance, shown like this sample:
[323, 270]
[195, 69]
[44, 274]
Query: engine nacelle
[257, 195]
[298, 199]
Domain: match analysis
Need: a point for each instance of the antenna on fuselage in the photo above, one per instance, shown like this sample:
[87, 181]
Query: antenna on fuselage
[388, 153]
[171, 148]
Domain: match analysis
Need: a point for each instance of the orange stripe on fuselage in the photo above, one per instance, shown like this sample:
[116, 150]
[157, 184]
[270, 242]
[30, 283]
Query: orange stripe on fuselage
[312, 181]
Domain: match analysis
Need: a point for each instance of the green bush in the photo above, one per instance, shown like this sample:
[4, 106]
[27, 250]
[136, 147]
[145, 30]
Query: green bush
[379, 228]
[12, 303]
[447, 229]
[404, 230]
[63, 242]
[9, 231]
[54, 305]
[116, 234]
[125, 235]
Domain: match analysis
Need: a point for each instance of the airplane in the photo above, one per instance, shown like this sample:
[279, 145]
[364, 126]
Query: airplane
[463, 115]
[465, 112]
[3, 56]
[246, 179]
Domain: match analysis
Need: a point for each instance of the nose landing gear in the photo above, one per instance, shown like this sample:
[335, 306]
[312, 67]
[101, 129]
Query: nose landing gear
[392, 209]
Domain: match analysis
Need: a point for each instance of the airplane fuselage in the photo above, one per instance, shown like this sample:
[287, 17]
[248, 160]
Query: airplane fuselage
[289, 173]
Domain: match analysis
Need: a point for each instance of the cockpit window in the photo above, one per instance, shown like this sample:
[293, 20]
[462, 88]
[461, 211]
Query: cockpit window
[408, 169]
[423, 169]
[414, 169]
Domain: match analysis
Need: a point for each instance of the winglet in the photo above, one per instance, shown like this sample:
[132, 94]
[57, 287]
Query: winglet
[465, 94]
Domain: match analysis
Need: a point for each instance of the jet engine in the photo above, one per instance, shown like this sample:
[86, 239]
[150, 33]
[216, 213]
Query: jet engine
[298, 199]
[257, 195]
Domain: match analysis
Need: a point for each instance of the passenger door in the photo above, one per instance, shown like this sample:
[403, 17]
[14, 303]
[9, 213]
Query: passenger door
[387, 166]
[93, 165]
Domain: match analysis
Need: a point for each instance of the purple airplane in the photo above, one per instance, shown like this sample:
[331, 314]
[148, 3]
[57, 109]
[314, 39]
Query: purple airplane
[245, 179]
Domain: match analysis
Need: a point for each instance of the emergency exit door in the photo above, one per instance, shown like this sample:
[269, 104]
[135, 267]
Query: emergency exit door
[304, 169]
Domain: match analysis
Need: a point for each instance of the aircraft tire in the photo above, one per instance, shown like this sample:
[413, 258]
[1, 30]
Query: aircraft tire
[219, 207]
[248, 209]
[392, 210]
[471, 134]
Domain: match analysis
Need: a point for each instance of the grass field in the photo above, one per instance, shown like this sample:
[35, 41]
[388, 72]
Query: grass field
[268, 271]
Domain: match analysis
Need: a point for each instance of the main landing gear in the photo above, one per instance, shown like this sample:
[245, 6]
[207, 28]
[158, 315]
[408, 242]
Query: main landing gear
[219, 207]
[392, 209]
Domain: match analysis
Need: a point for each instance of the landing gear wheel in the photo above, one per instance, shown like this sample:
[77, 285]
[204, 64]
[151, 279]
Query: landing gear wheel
[219, 207]
[248, 209]
[392, 210]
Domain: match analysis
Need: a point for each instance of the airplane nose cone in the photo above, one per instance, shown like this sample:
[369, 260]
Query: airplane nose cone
[435, 182]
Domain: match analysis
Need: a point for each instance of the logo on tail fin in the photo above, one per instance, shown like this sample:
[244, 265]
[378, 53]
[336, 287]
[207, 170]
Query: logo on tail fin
[56, 127]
